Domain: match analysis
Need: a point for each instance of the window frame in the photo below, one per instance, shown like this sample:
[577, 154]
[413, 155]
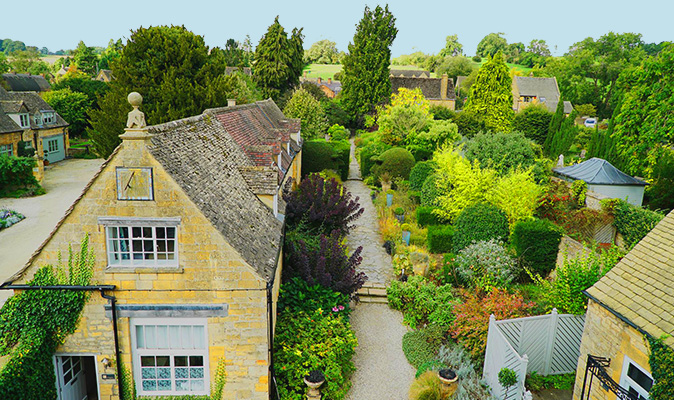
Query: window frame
[48, 117]
[153, 223]
[626, 382]
[24, 120]
[171, 353]
[7, 149]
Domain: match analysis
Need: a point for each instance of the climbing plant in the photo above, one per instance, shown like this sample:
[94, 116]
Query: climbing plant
[34, 323]
[661, 360]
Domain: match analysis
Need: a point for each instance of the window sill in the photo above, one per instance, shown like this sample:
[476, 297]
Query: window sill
[115, 269]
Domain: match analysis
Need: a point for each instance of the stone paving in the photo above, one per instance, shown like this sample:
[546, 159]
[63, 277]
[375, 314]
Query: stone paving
[382, 371]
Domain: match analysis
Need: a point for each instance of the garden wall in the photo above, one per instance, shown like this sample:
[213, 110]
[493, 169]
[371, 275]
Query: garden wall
[571, 249]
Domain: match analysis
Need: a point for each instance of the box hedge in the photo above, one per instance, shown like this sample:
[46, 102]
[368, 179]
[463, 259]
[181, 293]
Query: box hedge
[420, 172]
[426, 217]
[481, 221]
[536, 243]
[368, 155]
[440, 238]
[396, 162]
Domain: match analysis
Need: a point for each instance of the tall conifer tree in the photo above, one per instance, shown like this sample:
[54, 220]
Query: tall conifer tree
[365, 75]
[491, 94]
[278, 60]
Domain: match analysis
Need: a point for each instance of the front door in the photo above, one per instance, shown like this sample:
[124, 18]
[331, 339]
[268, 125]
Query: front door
[54, 148]
[72, 383]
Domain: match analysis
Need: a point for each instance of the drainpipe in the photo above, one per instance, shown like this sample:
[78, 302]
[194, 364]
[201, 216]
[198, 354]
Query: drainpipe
[80, 288]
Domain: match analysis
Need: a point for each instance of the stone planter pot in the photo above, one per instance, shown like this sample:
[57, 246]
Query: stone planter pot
[389, 200]
[313, 393]
[447, 382]
[400, 217]
[406, 237]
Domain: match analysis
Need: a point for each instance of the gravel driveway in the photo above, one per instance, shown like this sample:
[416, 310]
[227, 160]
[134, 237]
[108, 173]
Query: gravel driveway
[64, 182]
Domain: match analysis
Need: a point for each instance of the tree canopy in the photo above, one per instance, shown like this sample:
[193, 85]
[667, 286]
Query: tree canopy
[304, 106]
[365, 75]
[171, 68]
[452, 47]
[278, 60]
[85, 59]
[322, 52]
[491, 44]
[491, 94]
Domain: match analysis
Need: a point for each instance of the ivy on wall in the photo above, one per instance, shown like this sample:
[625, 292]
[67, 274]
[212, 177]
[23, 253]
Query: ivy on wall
[34, 323]
[661, 360]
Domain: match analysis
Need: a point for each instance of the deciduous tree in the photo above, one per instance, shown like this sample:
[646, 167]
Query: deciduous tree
[452, 47]
[491, 44]
[304, 106]
[85, 59]
[322, 52]
[72, 106]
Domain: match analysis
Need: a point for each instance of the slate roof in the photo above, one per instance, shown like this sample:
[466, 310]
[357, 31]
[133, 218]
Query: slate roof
[596, 171]
[552, 106]
[460, 79]
[104, 75]
[7, 124]
[205, 161]
[640, 288]
[409, 73]
[544, 89]
[430, 87]
[26, 82]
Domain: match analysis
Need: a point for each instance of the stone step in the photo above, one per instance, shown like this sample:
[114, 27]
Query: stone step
[369, 299]
[372, 291]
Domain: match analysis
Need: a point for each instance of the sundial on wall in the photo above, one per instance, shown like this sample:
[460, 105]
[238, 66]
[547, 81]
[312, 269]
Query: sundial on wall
[134, 183]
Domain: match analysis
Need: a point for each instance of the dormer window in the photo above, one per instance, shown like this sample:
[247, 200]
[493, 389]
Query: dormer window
[38, 120]
[48, 117]
[24, 120]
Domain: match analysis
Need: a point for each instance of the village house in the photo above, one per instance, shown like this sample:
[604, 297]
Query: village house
[529, 90]
[104, 75]
[438, 91]
[630, 302]
[185, 220]
[25, 82]
[36, 125]
[409, 73]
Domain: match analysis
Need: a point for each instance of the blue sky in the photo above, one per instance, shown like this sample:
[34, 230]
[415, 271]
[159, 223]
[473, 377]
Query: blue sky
[422, 26]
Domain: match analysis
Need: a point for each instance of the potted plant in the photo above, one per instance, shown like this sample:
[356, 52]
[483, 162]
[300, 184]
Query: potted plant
[314, 379]
[406, 233]
[400, 214]
[389, 197]
[385, 179]
[448, 379]
[507, 378]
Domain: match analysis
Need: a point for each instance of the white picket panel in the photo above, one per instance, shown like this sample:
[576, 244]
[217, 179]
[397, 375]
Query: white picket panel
[548, 344]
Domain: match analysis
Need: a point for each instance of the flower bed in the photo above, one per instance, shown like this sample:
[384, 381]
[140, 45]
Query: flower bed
[9, 218]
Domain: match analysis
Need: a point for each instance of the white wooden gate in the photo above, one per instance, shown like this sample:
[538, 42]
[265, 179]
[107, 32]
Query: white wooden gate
[547, 344]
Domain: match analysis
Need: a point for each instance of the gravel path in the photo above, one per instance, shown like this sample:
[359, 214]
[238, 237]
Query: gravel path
[382, 371]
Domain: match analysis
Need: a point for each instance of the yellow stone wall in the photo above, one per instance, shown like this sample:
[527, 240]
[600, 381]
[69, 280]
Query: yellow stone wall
[211, 272]
[607, 336]
[11, 138]
[450, 104]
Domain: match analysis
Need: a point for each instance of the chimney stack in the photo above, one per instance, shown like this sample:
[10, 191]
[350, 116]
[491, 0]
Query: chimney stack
[443, 87]
[231, 102]
[319, 80]
[329, 81]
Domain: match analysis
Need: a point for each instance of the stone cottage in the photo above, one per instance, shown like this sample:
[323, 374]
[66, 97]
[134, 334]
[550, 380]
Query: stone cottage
[438, 91]
[185, 220]
[631, 301]
[529, 90]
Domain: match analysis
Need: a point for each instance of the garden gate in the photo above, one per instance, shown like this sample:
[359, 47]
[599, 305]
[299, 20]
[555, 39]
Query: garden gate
[547, 344]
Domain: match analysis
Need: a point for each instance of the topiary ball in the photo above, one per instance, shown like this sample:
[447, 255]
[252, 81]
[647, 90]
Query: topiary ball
[397, 162]
[480, 222]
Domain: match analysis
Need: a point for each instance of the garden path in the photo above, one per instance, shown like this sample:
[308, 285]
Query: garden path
[382, 371]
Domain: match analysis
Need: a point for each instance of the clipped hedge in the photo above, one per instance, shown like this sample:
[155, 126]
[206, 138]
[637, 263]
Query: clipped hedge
[537, 244]
[420, 172]
[426, 217]
[440, 238]
[397, 162]
[631, 221]
[368, 155]
[480, 222]
[422, 346]
[319, 155]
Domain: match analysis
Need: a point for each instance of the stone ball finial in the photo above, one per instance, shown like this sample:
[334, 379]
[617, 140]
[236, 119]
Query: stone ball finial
[135, 99]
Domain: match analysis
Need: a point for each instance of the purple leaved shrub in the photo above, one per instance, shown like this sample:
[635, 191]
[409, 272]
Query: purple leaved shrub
[322, 206]
[328, 264]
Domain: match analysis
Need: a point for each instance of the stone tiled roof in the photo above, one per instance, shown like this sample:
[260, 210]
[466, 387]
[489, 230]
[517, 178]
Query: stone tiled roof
[460, 79]
[105, 75]
[232, 70]
[409, 73]
[203, 158]
[13, 106]
[640, 288]
[261, 180]
[545, 90]
[34, 103]
[26, 82]
[430, 87]
[7, 124]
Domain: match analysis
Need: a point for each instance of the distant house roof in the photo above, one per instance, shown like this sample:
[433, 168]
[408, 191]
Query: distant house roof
[545, 90]
[222, 159]
[104, 75]
[640, 288]
[460, 79]
[409, 73]
[596, 171]
[26, 82]
[32, 103]
[243, 70]
[430, 87]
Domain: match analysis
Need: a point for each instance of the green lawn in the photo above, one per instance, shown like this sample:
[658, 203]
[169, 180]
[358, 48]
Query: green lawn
[326, 71]
[521, 68]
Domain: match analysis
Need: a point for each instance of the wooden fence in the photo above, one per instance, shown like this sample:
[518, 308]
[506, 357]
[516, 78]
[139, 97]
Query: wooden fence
[547, 344]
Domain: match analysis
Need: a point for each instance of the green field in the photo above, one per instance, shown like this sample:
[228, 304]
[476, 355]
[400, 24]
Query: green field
[524, 71]
[325, 71]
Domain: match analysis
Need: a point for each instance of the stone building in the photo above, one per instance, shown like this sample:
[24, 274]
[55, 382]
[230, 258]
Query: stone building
[529, 90]
[185, 219]
[631, 301]
[26, 117]
[438, 91]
